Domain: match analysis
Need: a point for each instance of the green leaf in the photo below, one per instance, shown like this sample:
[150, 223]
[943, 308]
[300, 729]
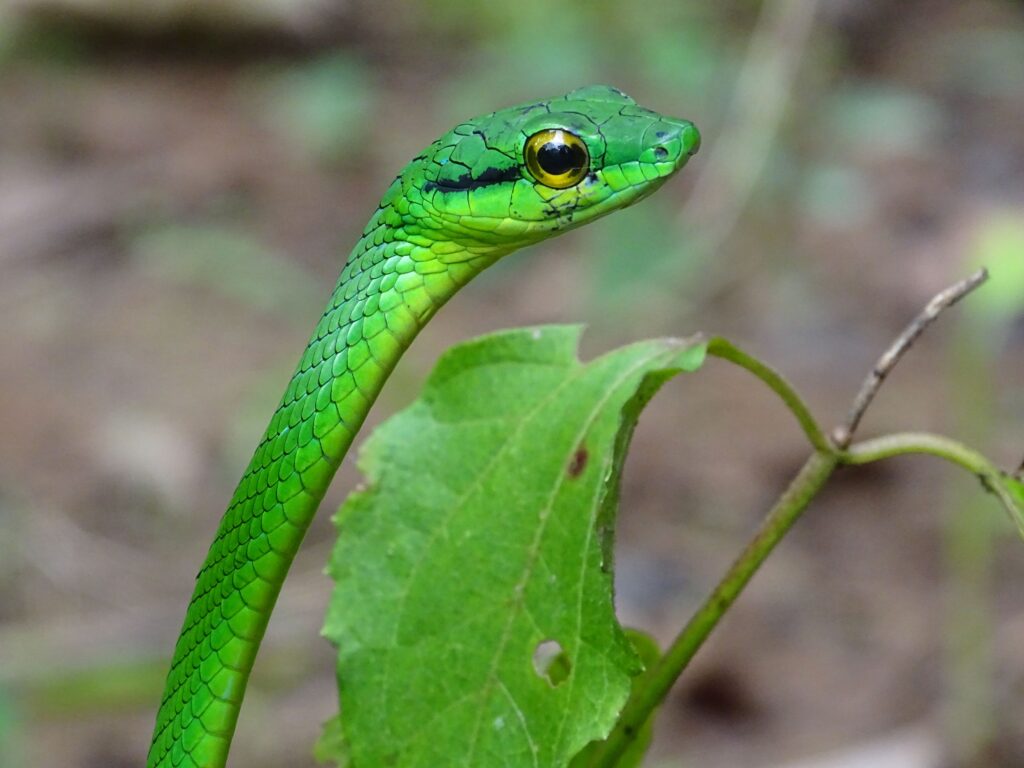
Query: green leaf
[1016, 489]
[647, 648]
[1009, 490]
[330, 748]
[484, 537]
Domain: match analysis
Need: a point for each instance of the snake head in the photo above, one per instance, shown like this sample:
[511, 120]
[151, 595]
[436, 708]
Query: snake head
[525, 173]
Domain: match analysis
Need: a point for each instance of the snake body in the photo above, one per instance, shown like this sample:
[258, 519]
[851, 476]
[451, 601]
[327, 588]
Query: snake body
[489, 186]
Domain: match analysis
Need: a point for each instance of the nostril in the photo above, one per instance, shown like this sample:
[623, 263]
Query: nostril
[660, 153]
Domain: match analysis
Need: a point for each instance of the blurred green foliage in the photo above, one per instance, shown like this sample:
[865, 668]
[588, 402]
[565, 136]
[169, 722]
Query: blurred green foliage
[988, 61]
[50, 46]
[8, 37]
[120, 685]
[878, 119]
[999, 247]
[835, 195]
[530, 49]
[325, 105]
[10, 742]
[228, 258]
[627, 261]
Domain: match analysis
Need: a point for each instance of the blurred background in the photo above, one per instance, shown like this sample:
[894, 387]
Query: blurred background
[181, 181]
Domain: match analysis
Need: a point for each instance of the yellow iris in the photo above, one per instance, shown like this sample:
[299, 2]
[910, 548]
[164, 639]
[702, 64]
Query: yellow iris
[556, 158]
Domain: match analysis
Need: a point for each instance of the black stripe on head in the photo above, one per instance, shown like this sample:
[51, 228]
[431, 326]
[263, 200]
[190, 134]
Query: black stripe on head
[485, 178]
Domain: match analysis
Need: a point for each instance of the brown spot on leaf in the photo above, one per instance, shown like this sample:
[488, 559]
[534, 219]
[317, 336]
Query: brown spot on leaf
[578, 462]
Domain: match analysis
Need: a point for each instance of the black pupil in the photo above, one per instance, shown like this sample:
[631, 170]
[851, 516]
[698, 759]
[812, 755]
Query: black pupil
[559, 159]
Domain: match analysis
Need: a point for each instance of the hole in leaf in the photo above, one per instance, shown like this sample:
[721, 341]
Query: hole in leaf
[551, 662]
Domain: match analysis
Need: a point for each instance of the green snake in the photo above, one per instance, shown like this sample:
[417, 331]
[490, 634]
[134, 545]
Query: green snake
[489, 186]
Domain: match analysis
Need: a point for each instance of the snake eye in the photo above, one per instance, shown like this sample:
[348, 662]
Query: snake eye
[556, 158]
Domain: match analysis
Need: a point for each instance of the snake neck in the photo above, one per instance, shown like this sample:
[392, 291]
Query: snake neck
[395, 279]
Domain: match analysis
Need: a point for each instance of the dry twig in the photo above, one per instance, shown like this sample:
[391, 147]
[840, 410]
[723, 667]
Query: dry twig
[842, 435]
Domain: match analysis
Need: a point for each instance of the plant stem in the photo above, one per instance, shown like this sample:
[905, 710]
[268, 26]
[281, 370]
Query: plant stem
[900, 443]
[953, 451]
[829, 453]
[900, 346]
[726, 350]
[662, 676]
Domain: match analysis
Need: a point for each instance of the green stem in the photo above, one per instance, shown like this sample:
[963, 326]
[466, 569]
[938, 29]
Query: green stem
[780, 519]
[868, 451]
[992, 478]
[726, 350]
[659, 680]
[662, 676]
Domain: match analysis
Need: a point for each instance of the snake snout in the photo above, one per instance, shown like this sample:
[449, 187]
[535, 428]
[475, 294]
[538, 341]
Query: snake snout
[676, 141]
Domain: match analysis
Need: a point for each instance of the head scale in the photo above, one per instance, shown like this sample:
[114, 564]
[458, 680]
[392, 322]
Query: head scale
[524, 173]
